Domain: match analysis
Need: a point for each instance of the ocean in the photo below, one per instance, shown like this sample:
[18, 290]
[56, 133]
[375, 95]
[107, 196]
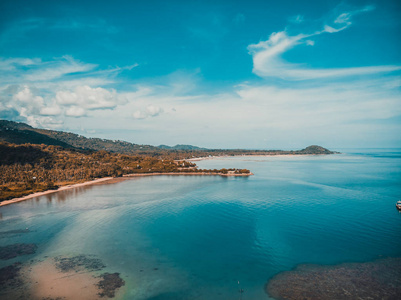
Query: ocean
[207, 237]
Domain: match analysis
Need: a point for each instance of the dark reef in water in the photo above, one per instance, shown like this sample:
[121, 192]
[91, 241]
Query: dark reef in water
[66, 264]
[11, 251]
[380, 279]
[109, 284]
[10, 276]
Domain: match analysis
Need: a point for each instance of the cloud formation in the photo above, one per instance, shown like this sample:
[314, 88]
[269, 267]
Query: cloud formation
[22, 103]
[88, 98]
[50, 111]
[75, 111]
[26, 102]
[267, 60]
[150, 111]
[256, 113]
[37, 91]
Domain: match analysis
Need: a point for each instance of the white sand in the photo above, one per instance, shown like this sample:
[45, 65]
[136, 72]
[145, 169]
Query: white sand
[63, 188]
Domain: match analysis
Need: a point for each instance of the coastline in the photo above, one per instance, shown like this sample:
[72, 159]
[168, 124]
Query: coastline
[63, 188]
[190, 174]
[250, 155]
[105, 180]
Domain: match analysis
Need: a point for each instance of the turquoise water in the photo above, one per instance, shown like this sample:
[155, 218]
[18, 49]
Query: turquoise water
[195, 237]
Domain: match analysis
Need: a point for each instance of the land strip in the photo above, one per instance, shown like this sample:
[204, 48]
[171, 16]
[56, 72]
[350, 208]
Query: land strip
[118, 179]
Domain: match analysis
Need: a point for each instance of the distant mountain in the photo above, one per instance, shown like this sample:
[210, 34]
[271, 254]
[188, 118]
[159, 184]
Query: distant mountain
[181, 147]
[21, 133]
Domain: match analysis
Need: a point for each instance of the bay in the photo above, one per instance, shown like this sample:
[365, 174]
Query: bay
[206, 237]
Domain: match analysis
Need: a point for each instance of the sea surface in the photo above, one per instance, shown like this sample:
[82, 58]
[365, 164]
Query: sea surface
[206, 237]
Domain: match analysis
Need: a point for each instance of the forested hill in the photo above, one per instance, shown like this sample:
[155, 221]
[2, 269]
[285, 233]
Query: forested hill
[181, 147]
[315, 150]
[20, 133]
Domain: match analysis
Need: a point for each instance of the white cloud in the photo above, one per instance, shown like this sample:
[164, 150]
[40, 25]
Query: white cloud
[139, 115]
[64, 72]
[31, 89]
[330, 29]
[66, 98]
[75, 111]
[318, 106]
[50, 111]
[139, 92]
[150, 111]
[46, 122]
[26, 95]
[89, 98]
[13, 63]
[29, 106]
[345, 17]
[26, 102]
[153, 110]
[267, 61]
[57, 69]
[282, 114]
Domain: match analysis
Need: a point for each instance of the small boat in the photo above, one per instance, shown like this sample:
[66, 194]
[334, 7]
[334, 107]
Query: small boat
[398, 205]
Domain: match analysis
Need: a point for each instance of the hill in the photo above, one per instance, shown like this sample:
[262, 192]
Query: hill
[20, 133]
[181, 147]
[314, 149]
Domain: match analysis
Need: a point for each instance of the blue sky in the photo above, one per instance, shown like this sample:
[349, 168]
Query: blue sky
[222, 74]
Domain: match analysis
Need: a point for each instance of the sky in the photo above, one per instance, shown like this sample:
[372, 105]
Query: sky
[217, 74]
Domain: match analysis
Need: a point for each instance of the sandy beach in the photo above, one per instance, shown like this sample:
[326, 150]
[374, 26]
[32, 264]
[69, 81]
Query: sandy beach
[245, 156]
[63, 188]
[110, 180]
[188, 173]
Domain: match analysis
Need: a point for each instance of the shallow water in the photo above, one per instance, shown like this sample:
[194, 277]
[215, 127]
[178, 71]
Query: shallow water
[195, 237]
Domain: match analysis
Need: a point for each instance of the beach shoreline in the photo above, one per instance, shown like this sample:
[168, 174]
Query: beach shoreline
[248, 155]
[63, 188]
[106, 180]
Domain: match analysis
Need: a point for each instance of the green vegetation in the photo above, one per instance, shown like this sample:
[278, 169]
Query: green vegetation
[28, 168]
[181, 147]
[20, 133]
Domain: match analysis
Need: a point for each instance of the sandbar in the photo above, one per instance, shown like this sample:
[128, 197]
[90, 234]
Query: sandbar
[47, 282]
